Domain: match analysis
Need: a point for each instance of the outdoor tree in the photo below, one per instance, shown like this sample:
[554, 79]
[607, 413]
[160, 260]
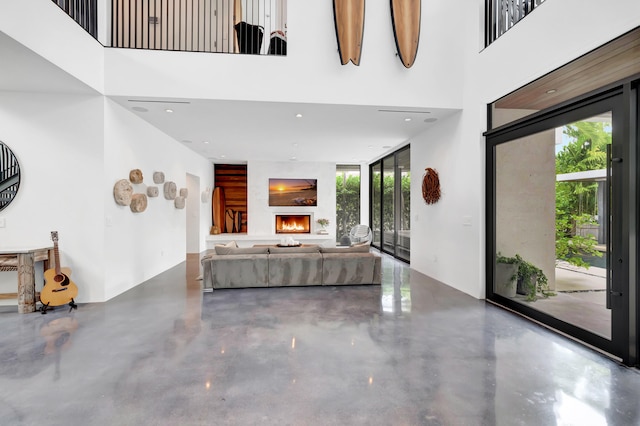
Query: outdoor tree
[576, 202]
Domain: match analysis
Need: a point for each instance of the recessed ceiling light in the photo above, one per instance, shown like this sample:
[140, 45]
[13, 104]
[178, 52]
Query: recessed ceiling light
[298, 115]
[407, 119]
[168, 110]
[139, 109]
[386, 146]
[223, 156]
[550, 91]
[293, 158]
[205, 142]
[370, 146]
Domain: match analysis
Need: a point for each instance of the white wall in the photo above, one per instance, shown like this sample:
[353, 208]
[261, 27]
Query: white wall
[311, 71]
[72, 150]
[141, 245]
[261, 216]
[58, 140]
[442, 247]
[194, 215]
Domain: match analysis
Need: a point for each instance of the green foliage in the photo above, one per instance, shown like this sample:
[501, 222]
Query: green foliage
[388, 201]
[533, 278]
[570, 245]
[587, 150]
[576, 202]
[347, 203]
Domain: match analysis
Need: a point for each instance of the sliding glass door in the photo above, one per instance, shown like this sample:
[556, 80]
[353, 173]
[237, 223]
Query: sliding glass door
[391, 204]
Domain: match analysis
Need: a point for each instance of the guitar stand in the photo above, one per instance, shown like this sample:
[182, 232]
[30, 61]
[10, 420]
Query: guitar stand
[72, 306]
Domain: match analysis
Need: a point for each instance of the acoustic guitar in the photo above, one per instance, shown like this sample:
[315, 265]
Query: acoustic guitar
[58, 287]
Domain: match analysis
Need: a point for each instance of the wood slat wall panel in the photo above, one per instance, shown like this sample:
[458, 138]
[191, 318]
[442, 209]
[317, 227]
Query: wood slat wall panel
[233, 178]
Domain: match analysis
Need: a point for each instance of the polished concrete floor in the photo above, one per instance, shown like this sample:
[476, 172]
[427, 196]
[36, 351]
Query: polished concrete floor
[409, 352]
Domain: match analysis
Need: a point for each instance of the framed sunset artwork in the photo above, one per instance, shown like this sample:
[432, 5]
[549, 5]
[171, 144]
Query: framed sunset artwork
[293, 192]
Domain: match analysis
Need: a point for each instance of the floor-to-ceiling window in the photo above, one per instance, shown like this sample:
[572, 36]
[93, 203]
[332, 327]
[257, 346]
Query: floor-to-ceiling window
[561, 212]
[563, 199]
[347, 199]
[391, 203]
[403, 204]
[376, 203]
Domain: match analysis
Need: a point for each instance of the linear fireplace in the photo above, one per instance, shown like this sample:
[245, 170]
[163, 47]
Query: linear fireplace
[293, 224]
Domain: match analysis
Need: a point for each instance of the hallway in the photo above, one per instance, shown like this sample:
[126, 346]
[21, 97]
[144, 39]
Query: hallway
[409, 352]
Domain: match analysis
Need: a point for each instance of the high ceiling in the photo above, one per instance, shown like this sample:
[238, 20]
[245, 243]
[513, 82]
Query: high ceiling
[231, 131]
[237, 131]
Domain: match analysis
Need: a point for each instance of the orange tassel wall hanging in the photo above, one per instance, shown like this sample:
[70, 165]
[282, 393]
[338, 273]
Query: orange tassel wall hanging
[430, 186]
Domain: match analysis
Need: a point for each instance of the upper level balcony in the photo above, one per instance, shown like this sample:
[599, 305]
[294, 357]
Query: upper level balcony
[193, 50]
[501, 15]
[221, 26]
[230, 26]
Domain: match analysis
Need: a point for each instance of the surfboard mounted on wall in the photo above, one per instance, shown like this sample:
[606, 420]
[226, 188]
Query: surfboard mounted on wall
[348, 16]
[219, 208]
[405, 17]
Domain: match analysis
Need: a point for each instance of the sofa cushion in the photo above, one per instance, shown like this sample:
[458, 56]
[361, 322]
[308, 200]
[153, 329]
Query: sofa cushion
[243, 270]
[291, 250]
[352, 249]
[223, 251]
[349, 268]
[295, 269]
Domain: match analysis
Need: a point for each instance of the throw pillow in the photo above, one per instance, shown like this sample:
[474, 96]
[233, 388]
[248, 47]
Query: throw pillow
[224, 248]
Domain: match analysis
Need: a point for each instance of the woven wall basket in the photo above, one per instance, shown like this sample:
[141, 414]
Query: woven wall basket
[430, 186]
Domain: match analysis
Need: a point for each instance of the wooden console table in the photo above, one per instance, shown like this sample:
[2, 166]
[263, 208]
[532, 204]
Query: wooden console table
[23, 260]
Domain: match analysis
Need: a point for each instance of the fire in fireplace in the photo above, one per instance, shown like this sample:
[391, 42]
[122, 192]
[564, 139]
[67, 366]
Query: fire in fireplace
[293, 224]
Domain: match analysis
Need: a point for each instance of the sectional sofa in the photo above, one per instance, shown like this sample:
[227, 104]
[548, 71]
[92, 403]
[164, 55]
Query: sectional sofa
[234, 267]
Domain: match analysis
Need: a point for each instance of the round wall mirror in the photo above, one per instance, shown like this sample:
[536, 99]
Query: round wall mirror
[9, 176]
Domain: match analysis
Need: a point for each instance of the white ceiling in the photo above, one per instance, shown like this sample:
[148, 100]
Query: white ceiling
[232, 131]
[237, 131]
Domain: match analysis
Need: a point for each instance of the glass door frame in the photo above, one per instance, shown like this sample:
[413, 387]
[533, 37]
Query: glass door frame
[624, 208]
[395, 204]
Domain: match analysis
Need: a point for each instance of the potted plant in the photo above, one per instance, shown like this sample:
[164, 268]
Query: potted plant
[531, 280]
[506, 275]
[323, 223]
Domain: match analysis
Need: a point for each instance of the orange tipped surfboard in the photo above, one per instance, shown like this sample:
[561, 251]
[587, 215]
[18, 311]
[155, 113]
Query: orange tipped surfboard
[405, 17]
[348, 16]
[219, 207]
